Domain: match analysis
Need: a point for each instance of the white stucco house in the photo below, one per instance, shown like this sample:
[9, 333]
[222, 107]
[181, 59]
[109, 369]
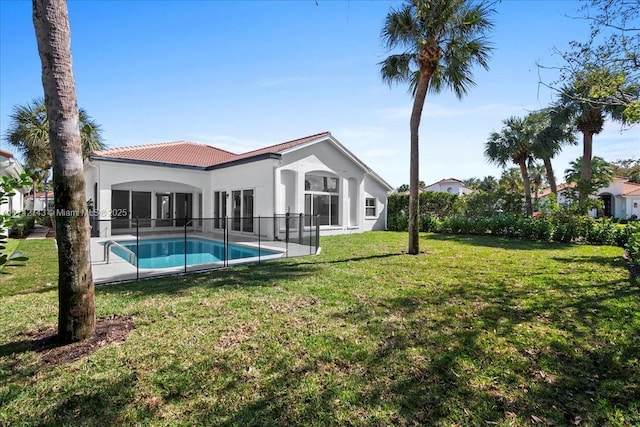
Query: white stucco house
[451, 186]
[172, 181]
[40, 202]
[621, 198]
[11, 167]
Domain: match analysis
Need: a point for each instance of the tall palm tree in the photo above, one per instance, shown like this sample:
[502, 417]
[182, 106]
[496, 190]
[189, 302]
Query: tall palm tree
[76, 293]
[441, 41]
[580, 103]
[513, 144]
[550, 135]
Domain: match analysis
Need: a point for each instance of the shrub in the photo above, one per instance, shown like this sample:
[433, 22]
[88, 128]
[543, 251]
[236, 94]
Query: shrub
[632, 244]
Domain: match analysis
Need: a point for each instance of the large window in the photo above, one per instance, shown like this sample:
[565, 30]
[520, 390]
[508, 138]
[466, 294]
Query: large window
[370, 206]
[164, 210]
[247, 210]
[219, 209]
[120, 208]
[184, 209]
[126, 205]
[242, 210]
[141, 207]
[321, 199]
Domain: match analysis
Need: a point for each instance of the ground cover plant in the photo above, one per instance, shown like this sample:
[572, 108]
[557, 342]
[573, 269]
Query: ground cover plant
[476, 330]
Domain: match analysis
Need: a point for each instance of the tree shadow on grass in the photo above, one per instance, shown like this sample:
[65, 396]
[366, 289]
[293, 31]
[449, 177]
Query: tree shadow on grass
[97, 403]
[245, 276]
[556, 366]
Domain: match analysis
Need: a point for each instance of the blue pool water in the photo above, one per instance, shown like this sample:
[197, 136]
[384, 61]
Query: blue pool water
[169, 252]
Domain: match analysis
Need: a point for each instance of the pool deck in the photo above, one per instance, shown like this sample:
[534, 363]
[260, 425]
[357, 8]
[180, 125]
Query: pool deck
[118, 269]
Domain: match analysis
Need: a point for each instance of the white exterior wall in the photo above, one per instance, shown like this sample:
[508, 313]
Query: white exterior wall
[634, 206]
[137, 177]
[256, 176]
[278, 186]
[355, 185]
[374, 190]
[10, 167]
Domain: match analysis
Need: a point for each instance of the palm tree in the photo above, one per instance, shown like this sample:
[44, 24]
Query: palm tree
[601, 173]
[76, 293]
[441, 41]
[580, 103]
[550, 136]
[489, 183]
[513, 144]
[29, 133]
[537, 177]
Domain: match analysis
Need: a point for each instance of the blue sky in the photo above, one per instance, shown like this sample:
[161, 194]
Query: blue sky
[241, 75]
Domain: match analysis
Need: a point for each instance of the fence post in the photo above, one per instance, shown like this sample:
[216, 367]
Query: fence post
[226, 242]
[185, 245]
[300, 229]
[259, 238]
[317, 233]
[286, 235]
[137, 249]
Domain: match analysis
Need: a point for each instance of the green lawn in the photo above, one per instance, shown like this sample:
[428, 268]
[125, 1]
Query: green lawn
[477, 331]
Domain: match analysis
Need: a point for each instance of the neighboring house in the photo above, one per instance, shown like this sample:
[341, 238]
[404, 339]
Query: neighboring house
[621, 198]
[41, 200]
[11, 167]
[451, 186]
[312, 175]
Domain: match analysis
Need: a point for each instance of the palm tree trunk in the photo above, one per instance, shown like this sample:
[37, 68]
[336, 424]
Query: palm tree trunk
[550, 176]
[527, 187]
[585, 173]
[414, 165]
[76, 313]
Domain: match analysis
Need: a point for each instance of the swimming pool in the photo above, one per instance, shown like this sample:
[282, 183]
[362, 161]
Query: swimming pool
[169, 252]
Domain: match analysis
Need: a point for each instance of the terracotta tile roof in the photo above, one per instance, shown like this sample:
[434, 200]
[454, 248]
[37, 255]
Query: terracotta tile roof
[6, 154]
[277, 148]
[194, 154]
[560, 187]
[178, 152]
[631, 189]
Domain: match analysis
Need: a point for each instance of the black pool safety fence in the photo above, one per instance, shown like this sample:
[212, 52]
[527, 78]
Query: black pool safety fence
[133, 248]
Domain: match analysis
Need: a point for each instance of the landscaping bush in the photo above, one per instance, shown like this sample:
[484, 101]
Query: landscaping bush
[631, 235]
[22, 225]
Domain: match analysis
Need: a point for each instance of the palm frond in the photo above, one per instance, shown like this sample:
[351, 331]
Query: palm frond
[397, 68]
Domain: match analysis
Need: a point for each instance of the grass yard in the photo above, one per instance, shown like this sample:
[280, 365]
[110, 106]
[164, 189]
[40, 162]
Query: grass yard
[478, 331]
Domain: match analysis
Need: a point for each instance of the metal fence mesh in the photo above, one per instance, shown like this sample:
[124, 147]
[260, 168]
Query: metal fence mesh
[134, 248]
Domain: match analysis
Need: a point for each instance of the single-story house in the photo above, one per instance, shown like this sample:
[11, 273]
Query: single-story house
[11, 167]
[451, 186]
[174, 181]
[621, 198]
[41, 201]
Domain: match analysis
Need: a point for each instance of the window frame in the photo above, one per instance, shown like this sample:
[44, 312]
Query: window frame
[367, 207]
[312, 197]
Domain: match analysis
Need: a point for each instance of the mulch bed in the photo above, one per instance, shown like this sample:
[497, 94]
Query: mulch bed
[109, 330]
